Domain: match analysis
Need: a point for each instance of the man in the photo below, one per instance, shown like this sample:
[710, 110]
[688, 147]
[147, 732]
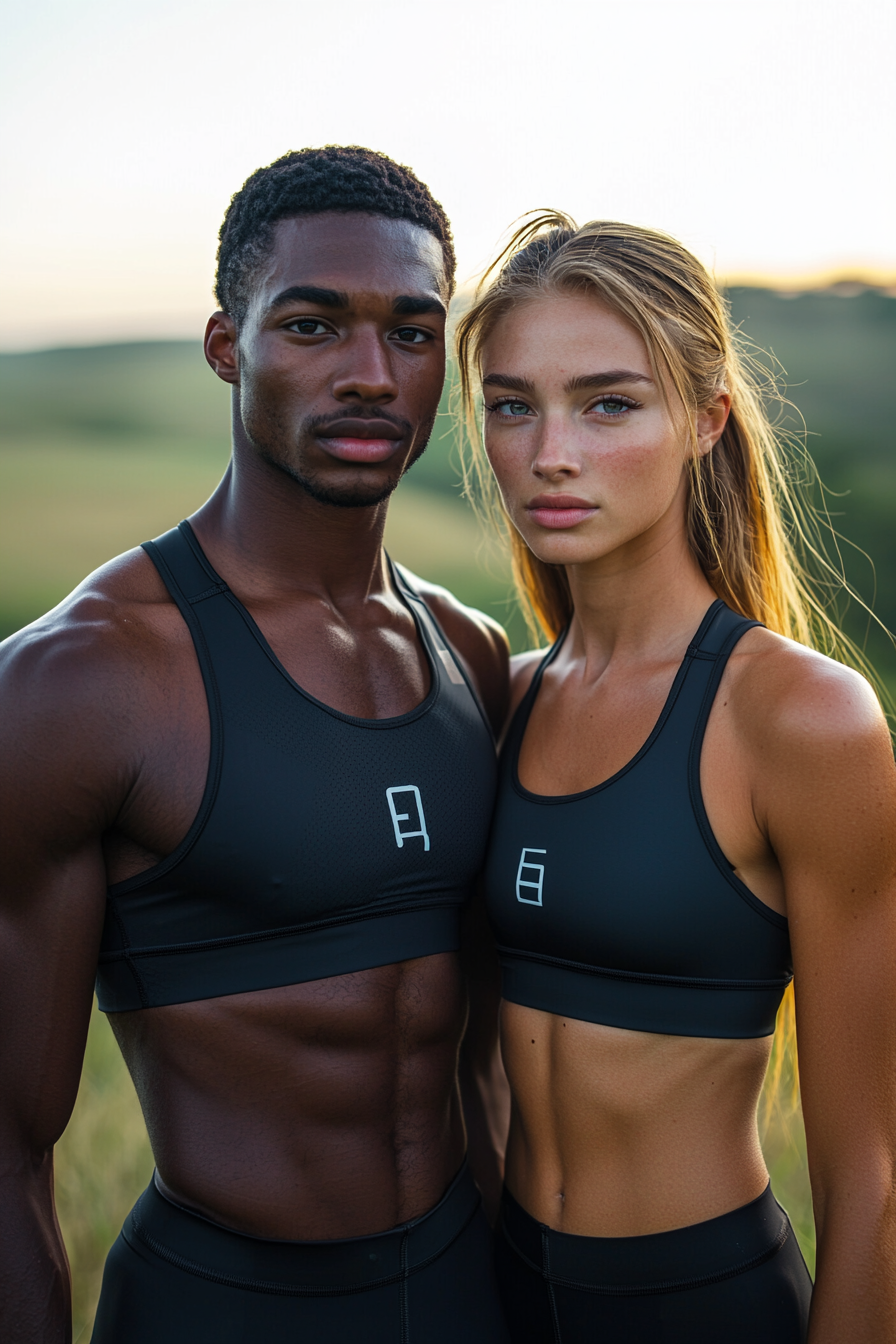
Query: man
[247, 772]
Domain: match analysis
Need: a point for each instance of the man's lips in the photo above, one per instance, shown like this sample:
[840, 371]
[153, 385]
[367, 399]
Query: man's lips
[360, 440]
[559, 511]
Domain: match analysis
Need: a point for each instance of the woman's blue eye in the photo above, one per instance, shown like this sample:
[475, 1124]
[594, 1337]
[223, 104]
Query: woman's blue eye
[612, 405]
[512, 408]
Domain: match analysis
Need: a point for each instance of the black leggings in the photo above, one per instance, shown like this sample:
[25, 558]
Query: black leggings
[173, 1277]
[738, 1279]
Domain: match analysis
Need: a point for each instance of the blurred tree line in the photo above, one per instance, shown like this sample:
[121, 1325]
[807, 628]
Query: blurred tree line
[69, 418]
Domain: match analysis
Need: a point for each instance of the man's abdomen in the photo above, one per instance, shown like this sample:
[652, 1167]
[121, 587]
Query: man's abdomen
[320, 1110]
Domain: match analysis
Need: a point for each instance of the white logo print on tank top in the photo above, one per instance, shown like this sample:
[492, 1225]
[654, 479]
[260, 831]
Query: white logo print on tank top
[399, 817]
[535, 885]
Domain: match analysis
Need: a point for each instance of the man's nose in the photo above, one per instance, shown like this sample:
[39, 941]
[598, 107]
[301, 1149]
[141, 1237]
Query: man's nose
[366, 372]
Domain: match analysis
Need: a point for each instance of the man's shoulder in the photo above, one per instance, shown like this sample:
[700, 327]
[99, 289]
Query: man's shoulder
[480, 641]
[114, 622]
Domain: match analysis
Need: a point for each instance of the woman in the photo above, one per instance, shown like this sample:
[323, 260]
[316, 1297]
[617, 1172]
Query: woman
[693, 804]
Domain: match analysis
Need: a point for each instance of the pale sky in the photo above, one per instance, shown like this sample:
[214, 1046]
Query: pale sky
[761, 134]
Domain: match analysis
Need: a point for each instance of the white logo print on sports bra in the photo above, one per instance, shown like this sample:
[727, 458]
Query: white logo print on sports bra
[399, 817]
[536, 885]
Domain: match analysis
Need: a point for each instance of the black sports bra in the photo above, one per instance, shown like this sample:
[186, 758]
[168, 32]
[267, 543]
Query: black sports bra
[616, 905]
[324, 843]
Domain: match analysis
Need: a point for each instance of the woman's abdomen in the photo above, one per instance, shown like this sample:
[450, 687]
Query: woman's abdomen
[618, 1133]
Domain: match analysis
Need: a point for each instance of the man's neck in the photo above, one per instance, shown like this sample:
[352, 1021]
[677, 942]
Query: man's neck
[264, 530]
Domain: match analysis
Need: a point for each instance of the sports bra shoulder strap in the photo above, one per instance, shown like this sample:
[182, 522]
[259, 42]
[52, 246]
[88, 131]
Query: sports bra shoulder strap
[517, 727]
[180, 561]
[719, 631]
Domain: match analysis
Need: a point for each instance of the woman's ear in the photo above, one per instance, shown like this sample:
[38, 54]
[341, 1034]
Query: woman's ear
[711, 421]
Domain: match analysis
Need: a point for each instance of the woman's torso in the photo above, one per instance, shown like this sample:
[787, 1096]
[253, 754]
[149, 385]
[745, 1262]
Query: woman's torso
[619, 1127]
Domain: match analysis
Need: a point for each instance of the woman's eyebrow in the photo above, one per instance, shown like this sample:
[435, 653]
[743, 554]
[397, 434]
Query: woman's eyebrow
[584, 382]
[508, 380]
[596, 381]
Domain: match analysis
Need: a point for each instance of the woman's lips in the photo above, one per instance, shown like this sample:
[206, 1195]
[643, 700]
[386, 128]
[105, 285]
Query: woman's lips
[559, 511]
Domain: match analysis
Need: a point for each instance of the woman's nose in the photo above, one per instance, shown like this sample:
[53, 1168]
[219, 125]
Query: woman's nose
[556, 456]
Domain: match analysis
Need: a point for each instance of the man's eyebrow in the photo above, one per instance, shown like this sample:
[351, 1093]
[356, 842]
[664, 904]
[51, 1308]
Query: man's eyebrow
[508, 380]
[324, 298]
[596, 381]
[413, 305]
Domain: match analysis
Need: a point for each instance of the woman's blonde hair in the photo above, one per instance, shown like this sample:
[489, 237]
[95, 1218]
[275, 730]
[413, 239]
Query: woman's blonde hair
[755, 534]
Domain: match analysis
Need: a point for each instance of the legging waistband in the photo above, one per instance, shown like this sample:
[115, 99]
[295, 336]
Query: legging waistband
[300, 1268]
[661, 1262]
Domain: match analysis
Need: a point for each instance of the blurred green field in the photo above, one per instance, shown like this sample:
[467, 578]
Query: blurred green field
[103, 447]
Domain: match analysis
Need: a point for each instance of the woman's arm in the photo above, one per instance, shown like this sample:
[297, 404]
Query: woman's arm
[484, 1090]
[826, 797]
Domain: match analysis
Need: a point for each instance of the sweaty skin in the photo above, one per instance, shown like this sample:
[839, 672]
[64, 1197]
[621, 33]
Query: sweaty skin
[317, 1110]
[620, 1133]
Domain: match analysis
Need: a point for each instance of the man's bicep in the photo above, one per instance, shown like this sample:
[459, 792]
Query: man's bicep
[52, 900]
[49, 936]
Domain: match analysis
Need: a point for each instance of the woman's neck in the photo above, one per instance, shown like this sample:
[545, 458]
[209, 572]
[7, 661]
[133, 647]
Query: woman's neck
[640, 603]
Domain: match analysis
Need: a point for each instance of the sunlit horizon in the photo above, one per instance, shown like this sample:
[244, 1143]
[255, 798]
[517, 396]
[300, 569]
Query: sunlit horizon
[754, 132]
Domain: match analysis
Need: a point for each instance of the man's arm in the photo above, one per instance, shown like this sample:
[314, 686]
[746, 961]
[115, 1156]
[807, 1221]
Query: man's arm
[57, 784]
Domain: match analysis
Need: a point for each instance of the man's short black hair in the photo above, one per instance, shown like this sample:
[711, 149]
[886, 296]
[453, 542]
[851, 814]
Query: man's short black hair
[307, 182]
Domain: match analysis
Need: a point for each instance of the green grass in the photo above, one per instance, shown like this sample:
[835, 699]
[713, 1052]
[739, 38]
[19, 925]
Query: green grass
[66, 508]
[103, 1161]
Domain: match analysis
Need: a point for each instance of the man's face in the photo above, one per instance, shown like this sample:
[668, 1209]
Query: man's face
[340, 360]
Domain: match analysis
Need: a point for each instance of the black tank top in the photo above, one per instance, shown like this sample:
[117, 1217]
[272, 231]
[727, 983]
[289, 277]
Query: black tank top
[616, 905]
[324, 843]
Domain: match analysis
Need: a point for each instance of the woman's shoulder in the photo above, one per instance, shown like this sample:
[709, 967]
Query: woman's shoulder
[785, 697]
[523, 667]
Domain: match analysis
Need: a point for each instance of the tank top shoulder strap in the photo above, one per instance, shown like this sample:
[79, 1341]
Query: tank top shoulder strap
[187, 574]
[191, 581]
[445, 663]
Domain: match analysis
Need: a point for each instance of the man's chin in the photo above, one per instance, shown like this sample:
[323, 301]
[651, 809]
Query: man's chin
[348, 498]
[357, 494]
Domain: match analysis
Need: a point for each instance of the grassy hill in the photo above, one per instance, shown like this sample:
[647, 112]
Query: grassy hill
[106, 445]
[103, 447]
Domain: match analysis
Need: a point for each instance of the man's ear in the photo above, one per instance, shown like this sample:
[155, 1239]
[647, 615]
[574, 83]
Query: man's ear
[711, 422]
[222, 347]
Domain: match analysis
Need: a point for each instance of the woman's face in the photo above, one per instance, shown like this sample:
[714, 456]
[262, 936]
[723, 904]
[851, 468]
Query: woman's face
[587, 456]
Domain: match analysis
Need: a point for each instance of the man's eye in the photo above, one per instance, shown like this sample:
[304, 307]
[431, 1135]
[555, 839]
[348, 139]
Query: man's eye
[307, 326]
[410, 335]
